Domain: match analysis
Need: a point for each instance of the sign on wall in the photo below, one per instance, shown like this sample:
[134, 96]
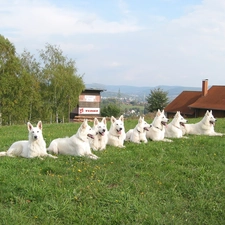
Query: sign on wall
[89, 111]
[89, 98]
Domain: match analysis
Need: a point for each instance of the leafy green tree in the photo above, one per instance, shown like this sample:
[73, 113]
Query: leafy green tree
[61, 84]
[10, 82]
[110, 110]
[157, 99]
[31, 77]
[31, 90]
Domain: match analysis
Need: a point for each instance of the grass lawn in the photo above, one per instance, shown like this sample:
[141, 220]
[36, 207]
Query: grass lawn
[182, 182]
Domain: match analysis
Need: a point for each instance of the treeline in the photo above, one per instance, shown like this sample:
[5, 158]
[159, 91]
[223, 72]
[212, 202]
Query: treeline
[31, 89]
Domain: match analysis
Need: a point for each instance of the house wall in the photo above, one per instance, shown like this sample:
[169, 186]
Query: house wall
[171, 115]
[216, 113]
[89, 104]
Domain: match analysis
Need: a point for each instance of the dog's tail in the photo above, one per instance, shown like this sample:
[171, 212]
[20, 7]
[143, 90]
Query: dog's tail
[3, 154]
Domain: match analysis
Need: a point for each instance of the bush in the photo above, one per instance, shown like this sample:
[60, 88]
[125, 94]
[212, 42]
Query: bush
[110, 110]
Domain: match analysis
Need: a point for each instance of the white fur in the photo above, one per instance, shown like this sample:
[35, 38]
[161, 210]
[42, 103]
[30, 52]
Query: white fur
[203, 127]
[174, 128]
[77, 145]
[101, 135]
[138, 134]
[117, 135]
[34, 147]
[157, 130]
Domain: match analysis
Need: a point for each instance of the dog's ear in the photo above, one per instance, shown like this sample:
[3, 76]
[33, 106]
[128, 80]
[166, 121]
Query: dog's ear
[29, 126]
[158, 113]
[84, 124]
[104, 120]
[113, 119]
[95, 121]
[39, 125]
[121, 118]
[140, 119]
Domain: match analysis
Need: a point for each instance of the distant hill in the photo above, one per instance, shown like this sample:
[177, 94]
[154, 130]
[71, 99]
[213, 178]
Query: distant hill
[138, 93]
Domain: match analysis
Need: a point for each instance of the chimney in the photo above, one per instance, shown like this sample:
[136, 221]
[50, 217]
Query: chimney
[204, 87]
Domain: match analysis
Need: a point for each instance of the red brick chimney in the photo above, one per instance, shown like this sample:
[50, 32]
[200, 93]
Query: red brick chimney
[204, 87]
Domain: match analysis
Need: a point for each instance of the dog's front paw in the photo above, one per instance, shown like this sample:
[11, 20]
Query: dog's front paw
[122, 146]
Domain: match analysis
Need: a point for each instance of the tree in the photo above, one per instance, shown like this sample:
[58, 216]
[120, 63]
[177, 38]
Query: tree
[110, 110]
[31, 90]
[31, 75]
[157, 99]
[61, 85]
[10, 82]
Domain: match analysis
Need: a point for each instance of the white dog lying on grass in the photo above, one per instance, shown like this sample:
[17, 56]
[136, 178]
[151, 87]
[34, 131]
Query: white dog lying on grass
[174, 128]
[101, 135]
[204, 127]
[77, 145]
[117, 135]
[35, 146]
[157, 130]
[138, 134]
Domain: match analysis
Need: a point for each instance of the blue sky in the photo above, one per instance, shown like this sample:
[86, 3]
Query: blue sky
[125, 42]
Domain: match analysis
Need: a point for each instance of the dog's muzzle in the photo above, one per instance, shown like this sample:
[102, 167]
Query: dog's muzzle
[119, 131]
[182, 124]
[90, 136]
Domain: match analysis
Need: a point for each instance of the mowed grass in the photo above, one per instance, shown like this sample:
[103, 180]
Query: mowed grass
[182, 182]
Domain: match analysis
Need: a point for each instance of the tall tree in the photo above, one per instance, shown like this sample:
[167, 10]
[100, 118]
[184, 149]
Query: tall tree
[157, 99]
[61, 83]
[31, 76]
[10, 82]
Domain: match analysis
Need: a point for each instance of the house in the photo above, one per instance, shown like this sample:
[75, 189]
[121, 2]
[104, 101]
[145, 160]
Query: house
[89, 104]
[195, 103]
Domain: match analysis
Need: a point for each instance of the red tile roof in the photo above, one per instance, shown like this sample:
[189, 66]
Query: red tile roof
[214, 99]
[182, 101]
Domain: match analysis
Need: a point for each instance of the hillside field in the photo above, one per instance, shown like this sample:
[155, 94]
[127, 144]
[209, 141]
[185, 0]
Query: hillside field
[182, 182]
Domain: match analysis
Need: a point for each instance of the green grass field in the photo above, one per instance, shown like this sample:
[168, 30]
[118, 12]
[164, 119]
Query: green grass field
[182, 182]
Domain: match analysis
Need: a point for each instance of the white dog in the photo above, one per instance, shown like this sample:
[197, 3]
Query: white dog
[34, 147]
[157, 130]
[117, 135]
[204, 127]
[174, 128]
[138, 134]
[77, 145]
[101, 135]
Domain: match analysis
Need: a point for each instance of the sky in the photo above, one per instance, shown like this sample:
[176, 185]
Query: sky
[125, 42]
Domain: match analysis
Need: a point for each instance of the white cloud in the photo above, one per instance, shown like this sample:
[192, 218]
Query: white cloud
[158, 50]
[31, 18]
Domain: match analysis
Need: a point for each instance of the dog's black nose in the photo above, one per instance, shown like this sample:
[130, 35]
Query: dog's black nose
[121, 128]
[35, 137]
[103, 130]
